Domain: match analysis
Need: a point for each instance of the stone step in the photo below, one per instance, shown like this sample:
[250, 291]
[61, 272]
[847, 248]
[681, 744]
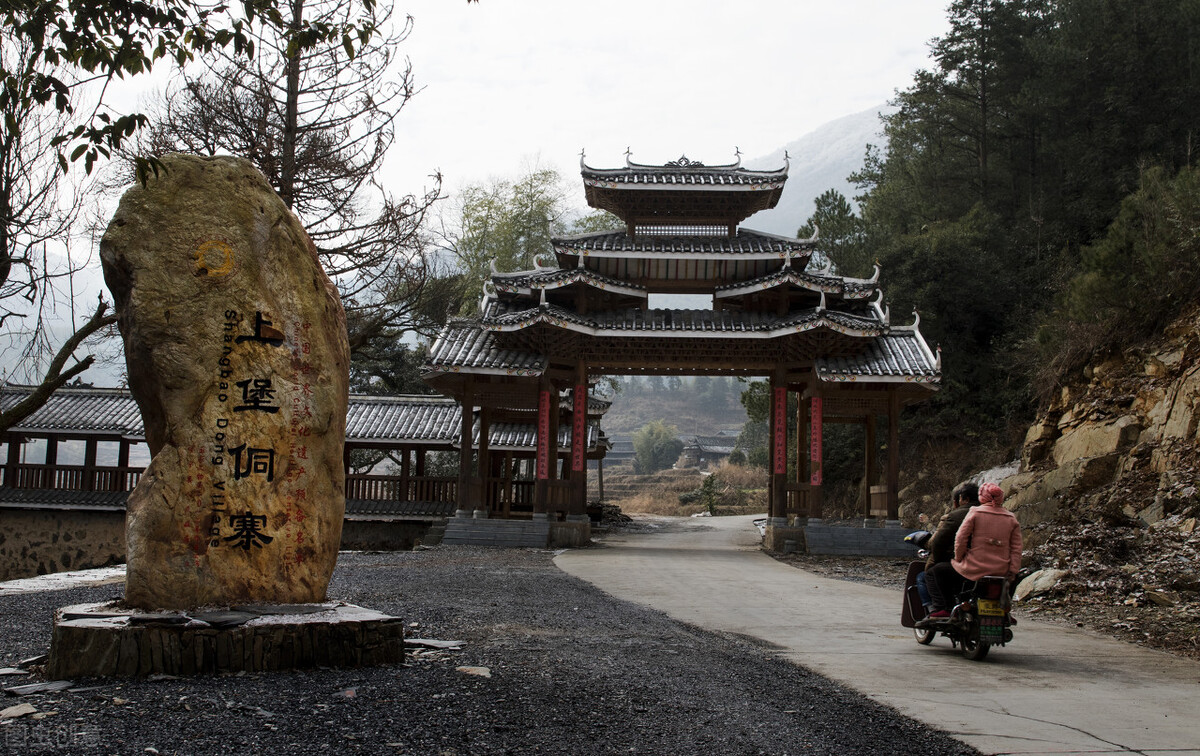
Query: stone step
[463, 531]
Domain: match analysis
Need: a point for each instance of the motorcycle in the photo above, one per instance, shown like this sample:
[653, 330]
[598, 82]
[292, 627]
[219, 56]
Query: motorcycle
[980, 618]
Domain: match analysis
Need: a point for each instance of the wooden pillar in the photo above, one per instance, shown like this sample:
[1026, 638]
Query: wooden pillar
[871, 471]
[600, 477]
[421, 450]
[508, 483]
[544, 446]
[483, 505]
[578, 507]
[465, 506]
[893, 471]
[816, 475]
[89, 465]
[14, 459]
[49, 473]
[405, 473]
[121, 483]
[778, 447]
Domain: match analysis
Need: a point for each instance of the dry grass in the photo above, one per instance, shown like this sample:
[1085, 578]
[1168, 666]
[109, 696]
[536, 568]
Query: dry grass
[742, 490]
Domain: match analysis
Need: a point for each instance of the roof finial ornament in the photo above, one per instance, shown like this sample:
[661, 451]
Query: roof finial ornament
[916, 319]
[582, 155]
[737, 153]
[787, 161]
[492, 265]
[816, 234]
[821, 306]
[874, 279]
[628, 157]
[938, 363]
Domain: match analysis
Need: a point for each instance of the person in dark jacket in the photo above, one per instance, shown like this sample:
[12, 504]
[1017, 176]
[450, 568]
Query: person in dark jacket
[941, 550]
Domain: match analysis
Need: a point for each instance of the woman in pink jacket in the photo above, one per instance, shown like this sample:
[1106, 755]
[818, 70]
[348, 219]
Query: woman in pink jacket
[989, 541]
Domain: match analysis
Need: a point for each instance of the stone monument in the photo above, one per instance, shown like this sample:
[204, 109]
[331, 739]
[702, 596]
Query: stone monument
[235, 341]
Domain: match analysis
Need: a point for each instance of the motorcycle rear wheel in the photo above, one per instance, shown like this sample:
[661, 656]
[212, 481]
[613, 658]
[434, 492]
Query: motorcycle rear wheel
[924, 635]
[974, 650]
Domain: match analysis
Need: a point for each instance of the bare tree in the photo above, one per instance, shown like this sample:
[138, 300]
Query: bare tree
[318, 123]
[39, 208]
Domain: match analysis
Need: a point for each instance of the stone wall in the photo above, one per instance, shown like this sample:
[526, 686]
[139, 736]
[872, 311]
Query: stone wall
[39, 541]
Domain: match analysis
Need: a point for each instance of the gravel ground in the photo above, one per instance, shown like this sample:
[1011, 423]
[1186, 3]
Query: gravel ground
[573, 671]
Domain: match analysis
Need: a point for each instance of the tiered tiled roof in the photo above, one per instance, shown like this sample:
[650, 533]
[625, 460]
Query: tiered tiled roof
[846, 288]
[745, 243]
[431, 421]
[463, 345]
[900, 354]
[685, 241]
[682, 323]
[80, 411]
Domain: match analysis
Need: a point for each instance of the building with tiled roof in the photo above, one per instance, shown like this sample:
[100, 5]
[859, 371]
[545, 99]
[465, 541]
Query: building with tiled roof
[825, 337]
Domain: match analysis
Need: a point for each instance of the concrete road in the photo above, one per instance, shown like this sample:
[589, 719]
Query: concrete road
[1052, 690]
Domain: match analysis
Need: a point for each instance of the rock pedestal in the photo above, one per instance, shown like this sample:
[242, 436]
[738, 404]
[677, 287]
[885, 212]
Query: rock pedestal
[236, 347]
[94, 640]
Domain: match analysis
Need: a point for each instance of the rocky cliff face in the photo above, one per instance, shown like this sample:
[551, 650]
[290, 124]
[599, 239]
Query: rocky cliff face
[1122, 447]
[1108, 493]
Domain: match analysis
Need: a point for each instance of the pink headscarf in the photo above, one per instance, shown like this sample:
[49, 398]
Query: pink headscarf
[990, 494]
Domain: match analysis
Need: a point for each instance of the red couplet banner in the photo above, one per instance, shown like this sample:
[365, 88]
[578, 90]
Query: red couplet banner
[779, 442]
[579, 429]
[543, 436]
[815, 450]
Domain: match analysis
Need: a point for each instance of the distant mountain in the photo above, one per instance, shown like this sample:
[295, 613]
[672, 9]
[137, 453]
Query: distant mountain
[820, 160]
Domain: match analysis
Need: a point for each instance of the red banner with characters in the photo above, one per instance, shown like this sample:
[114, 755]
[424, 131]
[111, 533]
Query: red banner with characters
[543, 436]
[779, 423]
[579, 429]
[815, 450]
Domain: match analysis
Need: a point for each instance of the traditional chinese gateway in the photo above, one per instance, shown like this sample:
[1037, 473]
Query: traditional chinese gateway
[516, 377]
[549, 332]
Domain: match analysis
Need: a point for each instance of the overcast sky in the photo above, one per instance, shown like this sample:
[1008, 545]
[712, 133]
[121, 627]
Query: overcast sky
[506, 83]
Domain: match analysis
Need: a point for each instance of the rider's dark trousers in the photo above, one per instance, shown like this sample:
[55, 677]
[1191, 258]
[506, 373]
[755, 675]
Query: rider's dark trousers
[944, 584]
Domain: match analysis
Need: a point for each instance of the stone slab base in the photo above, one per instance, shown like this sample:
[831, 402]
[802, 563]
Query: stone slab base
[530, 534]
[100, 640]
[840, 539]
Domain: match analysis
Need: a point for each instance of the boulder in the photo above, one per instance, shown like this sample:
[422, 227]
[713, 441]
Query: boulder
[235, 342]
[1096, 439]
[1039, 582]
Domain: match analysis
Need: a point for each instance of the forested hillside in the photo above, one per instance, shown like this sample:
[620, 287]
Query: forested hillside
[1035, 200]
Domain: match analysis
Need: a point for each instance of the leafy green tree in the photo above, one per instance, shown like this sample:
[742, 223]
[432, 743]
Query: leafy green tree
[656, 446]
[506, 223]
[1134, 280]
[1005, 160]
[842, 235]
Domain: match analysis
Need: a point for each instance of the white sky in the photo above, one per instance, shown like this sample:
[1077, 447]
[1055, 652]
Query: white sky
[507, 83]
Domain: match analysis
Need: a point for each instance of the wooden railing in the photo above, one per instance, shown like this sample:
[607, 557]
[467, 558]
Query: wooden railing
[798, 501]
[398, 488]
[70, 477]
[504, 496]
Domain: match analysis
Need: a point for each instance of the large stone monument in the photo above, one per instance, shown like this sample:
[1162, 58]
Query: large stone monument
[235, 341]
[236, 347]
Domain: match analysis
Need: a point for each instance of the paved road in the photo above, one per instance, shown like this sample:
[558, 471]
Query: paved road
[1052, 690]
